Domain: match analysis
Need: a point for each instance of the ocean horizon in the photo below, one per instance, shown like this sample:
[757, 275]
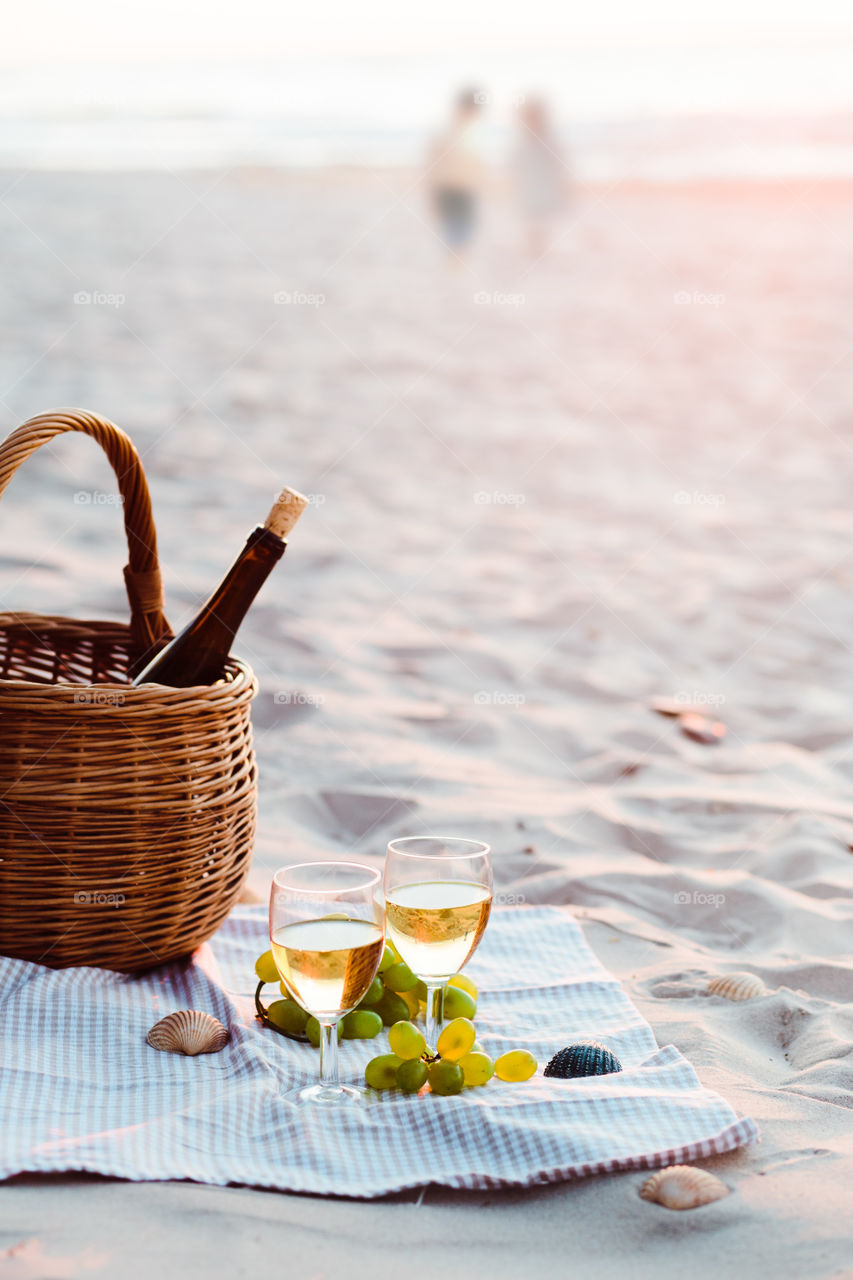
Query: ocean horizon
[314, 113]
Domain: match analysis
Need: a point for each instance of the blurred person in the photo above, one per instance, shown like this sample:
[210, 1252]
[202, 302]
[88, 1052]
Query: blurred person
[540, 172]
[457, 174]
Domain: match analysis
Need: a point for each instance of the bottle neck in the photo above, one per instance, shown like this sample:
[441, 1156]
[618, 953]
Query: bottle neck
[198, 653]
[230, 601]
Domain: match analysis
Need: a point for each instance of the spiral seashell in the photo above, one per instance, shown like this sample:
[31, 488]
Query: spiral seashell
[683, 1187]
[189, 1032]
[737, 986]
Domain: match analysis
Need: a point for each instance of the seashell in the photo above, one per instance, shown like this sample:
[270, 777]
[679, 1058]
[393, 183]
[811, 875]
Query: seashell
[683, 1187]
[589, 1059]
[190, 1032]
[737, 986]
[674, 708]
[701, 729]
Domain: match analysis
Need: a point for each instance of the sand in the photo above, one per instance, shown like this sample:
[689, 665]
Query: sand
[625, 476]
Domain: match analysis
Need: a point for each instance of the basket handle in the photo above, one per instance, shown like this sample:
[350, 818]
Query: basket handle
[148, 625]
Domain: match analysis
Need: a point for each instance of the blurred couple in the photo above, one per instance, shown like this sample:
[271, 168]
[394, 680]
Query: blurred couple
[458, 175]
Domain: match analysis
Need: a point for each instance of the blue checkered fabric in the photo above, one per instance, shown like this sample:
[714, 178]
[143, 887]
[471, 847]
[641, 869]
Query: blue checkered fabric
[81, 1089]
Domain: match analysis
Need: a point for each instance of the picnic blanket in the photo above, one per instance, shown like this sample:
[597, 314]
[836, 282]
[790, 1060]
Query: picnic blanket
[80, 1089]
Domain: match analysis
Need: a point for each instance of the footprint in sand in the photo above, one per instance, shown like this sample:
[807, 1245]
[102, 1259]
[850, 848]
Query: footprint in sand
[678, 986]
[358, 813]
[285, 708]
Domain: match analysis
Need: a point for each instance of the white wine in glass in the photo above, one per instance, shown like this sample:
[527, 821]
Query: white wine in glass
[327, 936]
[436, 924]
[327, 965]
[438, 895]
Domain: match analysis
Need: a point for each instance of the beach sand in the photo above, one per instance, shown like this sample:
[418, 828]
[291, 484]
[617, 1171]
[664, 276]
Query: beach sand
[543, 496]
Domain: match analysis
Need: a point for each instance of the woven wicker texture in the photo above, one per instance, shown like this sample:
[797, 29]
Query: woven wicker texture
[127, 816]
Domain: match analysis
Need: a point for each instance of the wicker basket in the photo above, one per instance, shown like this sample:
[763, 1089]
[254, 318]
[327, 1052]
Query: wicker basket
[127, 816]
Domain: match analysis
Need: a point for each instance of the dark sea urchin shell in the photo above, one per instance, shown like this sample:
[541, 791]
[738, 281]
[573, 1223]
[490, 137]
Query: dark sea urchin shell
[589, 1059]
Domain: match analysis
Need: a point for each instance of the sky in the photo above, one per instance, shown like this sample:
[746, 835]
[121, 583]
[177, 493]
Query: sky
[48, 31]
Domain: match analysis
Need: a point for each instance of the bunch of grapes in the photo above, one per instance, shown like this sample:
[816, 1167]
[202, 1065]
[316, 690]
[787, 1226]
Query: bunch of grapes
[396, 999]
[395, 995]
[458, 1061]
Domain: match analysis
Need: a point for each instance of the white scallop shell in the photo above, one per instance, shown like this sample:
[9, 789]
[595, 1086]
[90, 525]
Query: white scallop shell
[683, 1187]
[737, 986]
[190, 1032]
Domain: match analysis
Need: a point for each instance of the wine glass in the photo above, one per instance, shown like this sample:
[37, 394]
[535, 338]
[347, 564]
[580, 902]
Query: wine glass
[327, 934]
[438, 895]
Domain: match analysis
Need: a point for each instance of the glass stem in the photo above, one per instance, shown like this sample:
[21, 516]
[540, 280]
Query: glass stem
[329, 1075]
[434, 1013]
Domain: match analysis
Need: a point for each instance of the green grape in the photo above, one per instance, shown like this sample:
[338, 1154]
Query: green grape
[421, 991]
[381, 1072]
[400, 977]
[288, 1016]
[312, 1031]
[464, 984]
[412, 1075]
[456, 1039]
[477, 1068]
[406, 1041]
[362, 1024]
[374, 993]
[265, 968]
[518, 1064]
[411, 1002]
[446, 1078]
[458, 1003]
[389, 957]
[392, 1008]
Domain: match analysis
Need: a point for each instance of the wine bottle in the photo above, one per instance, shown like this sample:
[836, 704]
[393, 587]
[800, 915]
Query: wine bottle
[197, 655]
